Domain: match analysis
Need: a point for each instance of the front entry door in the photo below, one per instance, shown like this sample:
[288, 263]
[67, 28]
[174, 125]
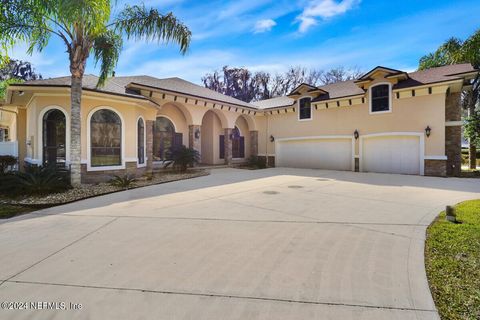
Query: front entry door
[54, 138]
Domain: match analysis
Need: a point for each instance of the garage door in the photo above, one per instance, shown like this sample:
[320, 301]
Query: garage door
[315, 153]
[391, 154]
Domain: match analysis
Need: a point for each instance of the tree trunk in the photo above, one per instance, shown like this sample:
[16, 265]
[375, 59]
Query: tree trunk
[75, 131]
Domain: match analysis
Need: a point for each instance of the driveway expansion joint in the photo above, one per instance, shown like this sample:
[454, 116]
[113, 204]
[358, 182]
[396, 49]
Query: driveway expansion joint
[226, 296]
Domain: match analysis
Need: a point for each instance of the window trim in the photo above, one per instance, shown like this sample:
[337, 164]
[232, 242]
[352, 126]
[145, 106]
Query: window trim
[390, 98]
[89, 142]
[145, 158]
[298, 107]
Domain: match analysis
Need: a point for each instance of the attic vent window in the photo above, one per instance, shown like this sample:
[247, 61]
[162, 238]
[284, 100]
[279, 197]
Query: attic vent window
[380, 98]
[305, 109]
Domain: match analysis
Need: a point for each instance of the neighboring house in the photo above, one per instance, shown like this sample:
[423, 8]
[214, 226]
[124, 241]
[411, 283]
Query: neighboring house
[386, 121]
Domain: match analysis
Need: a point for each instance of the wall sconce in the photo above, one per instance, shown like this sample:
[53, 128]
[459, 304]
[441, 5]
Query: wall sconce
[356, 134]
[197, 134]
[21, 93]
[428, 131]
[272, 138]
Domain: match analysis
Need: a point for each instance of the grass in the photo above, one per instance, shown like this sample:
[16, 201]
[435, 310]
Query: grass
[8, 211]
[452, 261]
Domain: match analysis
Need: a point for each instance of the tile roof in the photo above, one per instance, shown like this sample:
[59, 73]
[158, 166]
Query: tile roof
[117, 85]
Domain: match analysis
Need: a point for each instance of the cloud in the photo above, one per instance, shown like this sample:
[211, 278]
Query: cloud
[323, 9]
[264, 25]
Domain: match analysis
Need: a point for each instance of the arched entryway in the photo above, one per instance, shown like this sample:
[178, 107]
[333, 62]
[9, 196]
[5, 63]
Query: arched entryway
[54, 137]
[164, 138]
[212, 134]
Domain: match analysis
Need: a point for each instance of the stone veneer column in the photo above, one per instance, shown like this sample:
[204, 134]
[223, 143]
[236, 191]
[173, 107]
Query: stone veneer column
[228, 146]
[195, 143]
[254, 143]
[149, 146]
[453, 134]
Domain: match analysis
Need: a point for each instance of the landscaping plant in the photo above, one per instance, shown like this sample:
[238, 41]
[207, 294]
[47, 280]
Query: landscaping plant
[125, 182]
[7, 163]
[183, 157]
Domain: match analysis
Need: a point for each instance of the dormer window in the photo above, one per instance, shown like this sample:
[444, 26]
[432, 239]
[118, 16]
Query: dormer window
[305, 109]
[380, 98]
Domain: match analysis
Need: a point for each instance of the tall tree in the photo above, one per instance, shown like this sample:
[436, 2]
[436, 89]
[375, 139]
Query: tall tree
[242, 84]
[85, 27]
[454, 51]
[18, 69]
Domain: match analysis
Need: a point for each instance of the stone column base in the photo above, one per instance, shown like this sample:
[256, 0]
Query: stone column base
[436, 168]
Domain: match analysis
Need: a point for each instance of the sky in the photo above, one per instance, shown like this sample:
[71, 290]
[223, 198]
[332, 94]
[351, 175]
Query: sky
[272, 35]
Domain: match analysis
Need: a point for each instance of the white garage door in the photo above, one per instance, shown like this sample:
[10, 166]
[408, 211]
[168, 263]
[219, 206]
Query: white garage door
[315, 153]
[391, 154]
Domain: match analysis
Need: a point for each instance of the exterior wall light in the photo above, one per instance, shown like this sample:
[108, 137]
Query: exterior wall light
[428, 131]
[356, 134]
[197, 134]
[272, 138]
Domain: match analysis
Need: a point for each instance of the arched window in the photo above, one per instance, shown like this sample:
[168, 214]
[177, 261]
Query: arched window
[380, 98]
[141, 141]
[164, 138]
[105, 139]
[54, 137]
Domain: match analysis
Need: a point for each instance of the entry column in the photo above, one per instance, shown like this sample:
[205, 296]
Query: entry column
[228, 146]
[194, 137]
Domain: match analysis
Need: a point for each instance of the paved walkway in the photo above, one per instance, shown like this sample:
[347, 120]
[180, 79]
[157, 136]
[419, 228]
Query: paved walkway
[238, 244]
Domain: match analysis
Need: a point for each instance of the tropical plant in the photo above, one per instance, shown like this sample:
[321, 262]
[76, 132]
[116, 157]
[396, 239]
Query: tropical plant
[85, 27]
[35, 180]
[182, 157]
[6, 163]
[454, 51]
[257, 162]
[125, 182]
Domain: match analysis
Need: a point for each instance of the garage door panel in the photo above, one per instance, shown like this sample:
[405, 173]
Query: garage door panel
[391, 154]
[330, 154]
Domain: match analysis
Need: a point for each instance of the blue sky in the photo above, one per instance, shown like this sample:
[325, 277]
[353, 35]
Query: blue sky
[272, 35]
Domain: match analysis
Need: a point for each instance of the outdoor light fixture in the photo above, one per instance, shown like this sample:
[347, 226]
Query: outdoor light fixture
[21, 93]
[197, 134]
[272, 138]
[428, 131]
[356, 134]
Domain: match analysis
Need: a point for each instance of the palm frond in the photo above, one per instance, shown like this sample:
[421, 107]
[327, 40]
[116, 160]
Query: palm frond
[140, 23]
[106, 50]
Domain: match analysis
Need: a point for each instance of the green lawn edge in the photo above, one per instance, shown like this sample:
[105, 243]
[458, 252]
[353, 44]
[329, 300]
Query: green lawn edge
[452, 263]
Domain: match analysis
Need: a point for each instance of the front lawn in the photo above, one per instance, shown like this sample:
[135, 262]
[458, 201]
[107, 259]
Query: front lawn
[452, 261]
[8, 211]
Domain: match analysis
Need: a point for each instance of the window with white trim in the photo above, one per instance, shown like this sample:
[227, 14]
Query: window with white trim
[380, 98]
[141, 141]
[105, 139]
[305, 109]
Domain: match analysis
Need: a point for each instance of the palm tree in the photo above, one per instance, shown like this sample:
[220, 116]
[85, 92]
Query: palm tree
[85, 27]
[454, 51]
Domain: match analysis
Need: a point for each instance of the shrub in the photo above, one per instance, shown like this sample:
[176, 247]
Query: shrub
[125, 182]
[183, 157]
[257, 162]
[36, 180]
[6, 163]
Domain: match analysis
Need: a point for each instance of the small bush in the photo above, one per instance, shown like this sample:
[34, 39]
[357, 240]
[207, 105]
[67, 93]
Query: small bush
[183, 157]
[257, 162]
[35, 180]
[7, 163]
[125, 182]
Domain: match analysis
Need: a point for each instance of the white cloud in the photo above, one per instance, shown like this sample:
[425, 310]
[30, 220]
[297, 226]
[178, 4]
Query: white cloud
[264, 25]
[323, 9]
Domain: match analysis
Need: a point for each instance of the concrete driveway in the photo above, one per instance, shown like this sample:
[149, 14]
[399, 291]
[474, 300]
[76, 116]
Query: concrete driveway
[238, 244]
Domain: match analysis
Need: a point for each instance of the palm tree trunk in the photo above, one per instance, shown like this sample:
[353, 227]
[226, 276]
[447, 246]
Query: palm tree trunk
[75, 131]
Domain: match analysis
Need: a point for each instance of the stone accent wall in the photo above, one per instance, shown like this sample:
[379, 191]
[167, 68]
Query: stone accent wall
[228, 146]
[253, 143]
[357, 164]
[270, 162]
[195, 143]
[437, 168]
[453, 135]
[106, 175]
[149, 146]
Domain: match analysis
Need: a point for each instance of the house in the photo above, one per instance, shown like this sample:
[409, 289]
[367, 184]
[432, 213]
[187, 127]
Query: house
[386, 121]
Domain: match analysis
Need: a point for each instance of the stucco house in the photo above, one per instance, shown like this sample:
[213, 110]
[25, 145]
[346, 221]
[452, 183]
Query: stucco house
[386, 121]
